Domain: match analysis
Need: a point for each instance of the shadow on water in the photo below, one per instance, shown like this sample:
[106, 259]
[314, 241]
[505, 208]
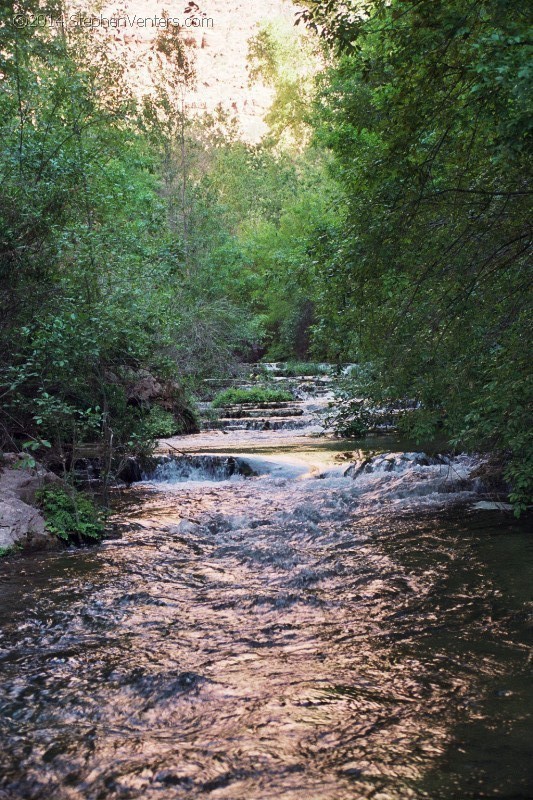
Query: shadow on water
[473, 632]
[265, 638]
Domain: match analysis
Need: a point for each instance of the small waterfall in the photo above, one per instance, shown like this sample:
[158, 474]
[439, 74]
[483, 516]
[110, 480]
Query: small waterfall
[262, 424]
[409, 476]
[394, 462]
[174, 469]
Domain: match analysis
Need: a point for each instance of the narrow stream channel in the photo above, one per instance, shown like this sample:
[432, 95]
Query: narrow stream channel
[295, 634]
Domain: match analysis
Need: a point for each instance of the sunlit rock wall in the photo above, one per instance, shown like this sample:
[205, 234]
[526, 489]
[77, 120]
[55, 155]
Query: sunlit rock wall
[217, 43]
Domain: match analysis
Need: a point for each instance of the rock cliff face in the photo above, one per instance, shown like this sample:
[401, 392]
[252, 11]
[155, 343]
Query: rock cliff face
[216, 33]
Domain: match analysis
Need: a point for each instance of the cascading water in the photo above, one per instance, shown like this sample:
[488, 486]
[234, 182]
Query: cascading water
[174, 469]
[282, 617]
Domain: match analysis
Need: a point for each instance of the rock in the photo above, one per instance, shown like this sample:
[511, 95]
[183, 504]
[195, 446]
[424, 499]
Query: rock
[143, 389]
[488, 505]
[24, 483]
[130, 471]
[185, 526]
[21, 524]
[355, 469]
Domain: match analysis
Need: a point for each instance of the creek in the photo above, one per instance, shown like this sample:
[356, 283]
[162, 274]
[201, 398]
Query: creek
[268, 626]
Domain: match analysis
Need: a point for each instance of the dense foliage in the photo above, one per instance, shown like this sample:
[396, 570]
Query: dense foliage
[70, 515]
[428, 112]
[104, 275]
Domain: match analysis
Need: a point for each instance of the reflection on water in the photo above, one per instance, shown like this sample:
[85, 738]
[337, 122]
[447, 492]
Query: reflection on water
[270, 637]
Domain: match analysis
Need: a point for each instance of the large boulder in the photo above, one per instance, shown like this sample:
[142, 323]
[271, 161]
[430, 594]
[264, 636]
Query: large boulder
[21, 524]
[23, 483]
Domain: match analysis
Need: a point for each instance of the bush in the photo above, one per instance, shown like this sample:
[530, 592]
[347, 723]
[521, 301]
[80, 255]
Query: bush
[256, 395]
[299, 369]
[159, 423]
[71, 515]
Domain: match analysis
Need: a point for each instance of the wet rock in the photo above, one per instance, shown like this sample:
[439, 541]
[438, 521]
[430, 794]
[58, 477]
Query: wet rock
[245, 469]
[88, 470]
[489, 475]
[157, 689]
[130, 472]
[352, 772]
[393, 462]
[185, 526]
[219, 523]
[503, 693]
[355, 469]
[260, 523]
[490, 505]
[220, 782]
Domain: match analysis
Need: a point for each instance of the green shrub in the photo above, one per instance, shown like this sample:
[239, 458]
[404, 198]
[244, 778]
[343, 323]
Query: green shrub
[70, 515]
[298, 369]
[256, 395]
[159, 423]
[350, 418]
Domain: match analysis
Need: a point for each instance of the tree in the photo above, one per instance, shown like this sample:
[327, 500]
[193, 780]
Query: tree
[428, 114]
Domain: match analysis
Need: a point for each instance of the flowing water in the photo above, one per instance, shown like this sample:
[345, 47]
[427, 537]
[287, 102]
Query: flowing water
[273, 625]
